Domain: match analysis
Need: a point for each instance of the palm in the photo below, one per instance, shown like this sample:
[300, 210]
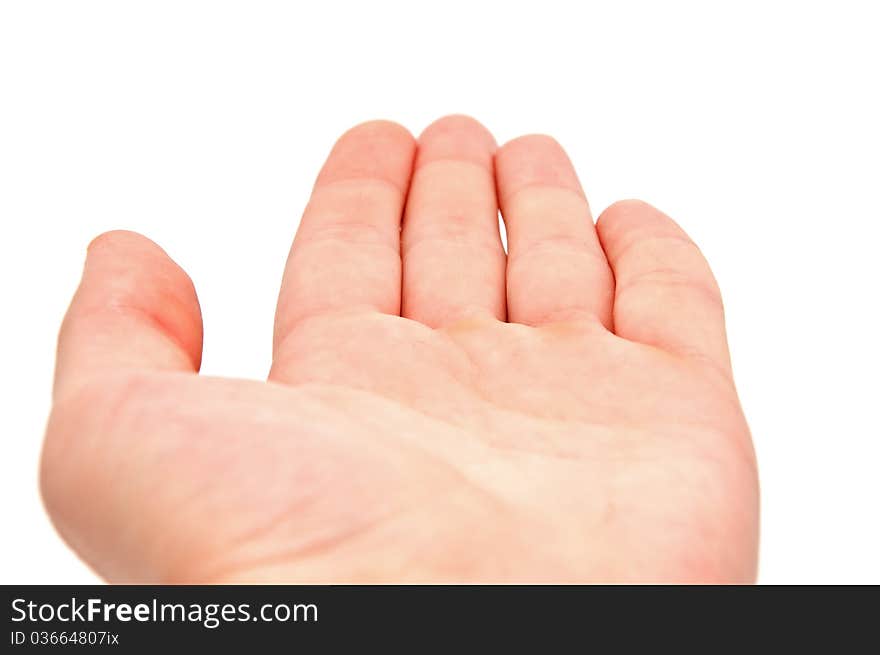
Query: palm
[390, 449]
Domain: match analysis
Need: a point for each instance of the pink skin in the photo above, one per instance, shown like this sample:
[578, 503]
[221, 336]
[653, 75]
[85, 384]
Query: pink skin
[437, 411]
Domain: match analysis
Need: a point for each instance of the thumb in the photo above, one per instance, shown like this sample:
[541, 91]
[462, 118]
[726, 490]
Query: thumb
[135, 308]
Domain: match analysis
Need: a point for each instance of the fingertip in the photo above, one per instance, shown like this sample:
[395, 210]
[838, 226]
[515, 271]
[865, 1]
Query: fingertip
[456, 138]
[632, 214]
[534, 160]
[375, 149]
[532, 143]
[121, 238]
[458, 129]
[378, 130]
[628, 207]
[129, 260]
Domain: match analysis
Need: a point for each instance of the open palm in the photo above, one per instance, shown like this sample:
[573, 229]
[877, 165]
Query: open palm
[437, 410]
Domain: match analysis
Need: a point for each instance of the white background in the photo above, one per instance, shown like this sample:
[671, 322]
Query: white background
[202, 125]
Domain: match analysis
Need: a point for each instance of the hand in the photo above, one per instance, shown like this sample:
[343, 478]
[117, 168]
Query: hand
[436, 411]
